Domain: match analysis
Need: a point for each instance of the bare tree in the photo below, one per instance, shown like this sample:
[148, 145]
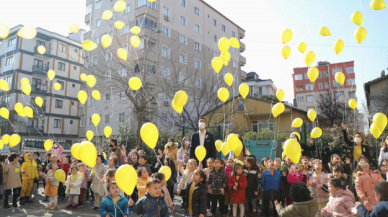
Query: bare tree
[335, 108]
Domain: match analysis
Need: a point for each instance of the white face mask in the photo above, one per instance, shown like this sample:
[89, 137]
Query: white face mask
[357, 140]
[187, 143]
[201, 126]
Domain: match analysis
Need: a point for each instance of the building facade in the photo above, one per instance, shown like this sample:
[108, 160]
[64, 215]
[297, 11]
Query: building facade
[259, 87]
[307, 94]
[375, 91]
[58, 118]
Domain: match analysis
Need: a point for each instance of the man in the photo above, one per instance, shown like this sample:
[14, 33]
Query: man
[203, 138]
[114, 148]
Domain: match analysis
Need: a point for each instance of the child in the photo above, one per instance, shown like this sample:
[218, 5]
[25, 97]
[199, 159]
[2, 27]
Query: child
[110, 176]
[319, 180]
[29, 173]
[165, 192]
[73, 188]
[112, 164]
[84, 173]
[38, 165]
[146, 206]
[186, 178]
[115, 204]
[229, 172]
[341, 200]
[296, 175]
[251, 172]
[381, 209]
[218, 180]
[52, 184]
[338, 172]
[237, 184]
[278, 165]
[304, 164]
[271, 179]
[335, 159]
[97, 185]
[195, 192]
[210, 167]
[143, 161]
[142, 180]
[365, 182]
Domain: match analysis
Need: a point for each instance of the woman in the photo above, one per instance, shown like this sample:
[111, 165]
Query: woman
[384, 151]
[171, 150]
[184, 149]
[358, 146]
[304, 146]
[13, 182]
[133, 159]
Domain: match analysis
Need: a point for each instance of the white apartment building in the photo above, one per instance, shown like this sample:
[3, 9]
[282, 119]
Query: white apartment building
[258, 86]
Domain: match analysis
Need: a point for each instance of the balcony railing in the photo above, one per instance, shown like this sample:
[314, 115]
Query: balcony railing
[48, 50]
[39, 87]
[39, 68]
[7, 68]
[10, 48]
[36, 129]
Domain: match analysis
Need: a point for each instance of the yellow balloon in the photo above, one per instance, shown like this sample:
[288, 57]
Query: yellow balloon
[74, 28]
[14, 140]
[4, 85]
[39, 101]
[107, 131]
[4, 31]
[360, 34]
[60, 175]
[217, 64]
[312, 114]
[5, 138]
[200, 153]
[234, 43]
[21, 114]
[96, 95]
[180, 98]
[119, 24]
[57, 86]
[310, 58]
[27, 32]
[126, 178]
[41, 49]
[107, 15]
[353, 104]
[176, 108]
[96, 119]
[135, 41]
[135, 30]
[225, 148]
[228, 79]
[149, 134]
[376, 132]
[380, 120]
[89, 45]
[377, 4]
[297, 123]
[18, 107]
[120, 5]
[135, 83]
[4, 113]
[313, 74]
[324, 31]
[26, 88]
[218, 145]
[280, 94]
[293, 150]
[51, 75]
[278, 109]
[286, 51]
[302, 47]
[340, 78]
[122, 53]
[48, 144]
[223, 94]
[74, 150]
[82, 96]
[338, 46]
[106, 40]
[233, 141]
[88, 153]
[238, 149]
[83, 77]
[225, 58]
[286, 36]
[357, 18]
[28, 112]
[24, 80]
[1, 145]
[243, 89]
[316, 133]
[89, 135]
[166, 171]
[223, 44]
[91, 81]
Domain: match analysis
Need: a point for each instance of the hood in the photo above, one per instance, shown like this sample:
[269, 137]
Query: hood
[26, 159]
[306, 208]
[346, 194]
[344, 176]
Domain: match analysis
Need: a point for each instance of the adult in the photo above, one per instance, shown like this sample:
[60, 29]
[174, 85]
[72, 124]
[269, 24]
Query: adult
[56, 150]
[133, 159]
[13, 181]
[114, 148]
[203, 138]
[384, 151]
[304, 146]
[184, 149]
[171, 150]
[243, 153]
[357, 145]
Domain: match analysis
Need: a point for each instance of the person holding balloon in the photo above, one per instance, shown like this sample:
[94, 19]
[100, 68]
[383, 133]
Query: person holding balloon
[165, 192]
[219, 183]
[13, 182]
[205, 139]
[29, 173]
[358, 147]
[57, 149]
[97, 185]
[115, 204]
[52, 184]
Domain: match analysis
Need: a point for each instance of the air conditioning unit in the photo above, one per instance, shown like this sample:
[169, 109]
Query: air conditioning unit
[166, 17]
[166, 103]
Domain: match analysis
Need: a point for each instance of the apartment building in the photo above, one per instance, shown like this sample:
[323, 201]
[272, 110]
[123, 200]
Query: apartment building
[258, 86]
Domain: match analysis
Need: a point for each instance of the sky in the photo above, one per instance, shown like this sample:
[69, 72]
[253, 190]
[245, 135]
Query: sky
[264, 21]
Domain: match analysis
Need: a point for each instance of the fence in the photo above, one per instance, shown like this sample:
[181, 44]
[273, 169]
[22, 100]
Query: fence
[262, 148]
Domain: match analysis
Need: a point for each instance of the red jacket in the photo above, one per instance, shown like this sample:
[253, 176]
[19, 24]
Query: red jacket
[237, 196]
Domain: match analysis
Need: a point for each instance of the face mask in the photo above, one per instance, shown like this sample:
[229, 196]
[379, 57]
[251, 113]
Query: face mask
[357, 140]
[201, 126]
[187, 142]
[169, 143]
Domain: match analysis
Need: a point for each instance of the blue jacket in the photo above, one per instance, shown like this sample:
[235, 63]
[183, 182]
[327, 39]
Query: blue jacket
[119, 209]
[149, 206]
[379, 210]
[271, 182]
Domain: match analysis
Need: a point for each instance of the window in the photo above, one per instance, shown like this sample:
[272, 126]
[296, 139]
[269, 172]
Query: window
[196, 11]
[182, 39]
[72, 103]
[234, 50]
[197, 83]
[58, 103]
[92, 101]
[123, 96]
[151, 69]
[108, 56]
[233, 34]
[61, 66]
[325, 74]
[89, 8]
[97, 41]
[320, 75]
[183, 58]
[71, 121]
[107, 97]
[305, 76]
[258, 126]
[183, 20]
[166, 11]
[141, 3]
[298, 77]
[165, 52]
[182, 78]
[141, 46]
[223, 28]
[62, 83]
[327, 86]
[82, 120]
[121, 117]
[98, 23]
[97, 4]
[62, 48]
[165, 73]
[214, 22]
[310, 99]
[12, 42]
[349, 70]
[125, 30]
[197, 46]
[300, 99]
[336, 84]
[299, 88]
[8, 79]
[90, 121]
[164, 117]
[57, 123]
[183, 3]
[124, 73]
[147, 23]
[197, 64]
[94, 60]
[339, 95]
[73, 85]
[196, 28]
[350, 82]
[309, 87]
[335, 70]
[166, 31]
[163, 96]
[9, 61]
[215, 38]
[108, 75]
[127, 9]
[320, 86]
[106, 119]
[234, 64]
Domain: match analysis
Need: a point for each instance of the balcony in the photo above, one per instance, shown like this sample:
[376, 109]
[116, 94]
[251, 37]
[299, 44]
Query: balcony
[40, 68]
[143, 10]
[48, 50]
[10, 48]
[243, 74]
[241, 33]
[243, 61]
[7, 68]
[87, 18]
[39, 88]
[87, 35]
[149, 35]
[242, 47]
[147, 53]
[36, 129]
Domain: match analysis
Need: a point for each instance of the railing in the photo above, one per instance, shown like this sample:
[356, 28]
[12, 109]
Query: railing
[243, 60]
[10, 48]
[36, 129]
[242, 47]
[40, 88]
[39, 68]
[48, 50]
[7, 68]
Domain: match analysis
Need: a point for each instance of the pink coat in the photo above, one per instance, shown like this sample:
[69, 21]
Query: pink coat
[292, 178]
[318, 181]
[56, 150]
[228, 172]
[365, 184]
[340, 203]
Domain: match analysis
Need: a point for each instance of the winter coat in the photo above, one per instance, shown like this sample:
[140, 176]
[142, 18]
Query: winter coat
[29, 168]
[76, 188]
[149, 206]
[167, 197]
[181, 153]
[340, 203]
[97, 185]
[383, 155]
[252, 182]
[57, 150]
[271, 182]
[237, 196]
[50, 177]
[292, 178]
[286, 186]
[218, 180]
[364, 148]
[299, 209]
[380, 210]
[228, 172]
[198, 200]
[142, 186]
[172, 152]
[12, 170]
[117, 150]
[343, 178]
[318, 181]
[364, 185]
[185, 179]
[119, 209]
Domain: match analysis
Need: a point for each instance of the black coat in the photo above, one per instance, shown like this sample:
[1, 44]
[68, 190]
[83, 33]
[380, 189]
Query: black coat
[198, 201]
[252, 182]
[364, 148]
[209, 145]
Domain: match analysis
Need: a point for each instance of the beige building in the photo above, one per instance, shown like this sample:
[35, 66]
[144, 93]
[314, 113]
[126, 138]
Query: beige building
[178, 42]
[58, 118]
